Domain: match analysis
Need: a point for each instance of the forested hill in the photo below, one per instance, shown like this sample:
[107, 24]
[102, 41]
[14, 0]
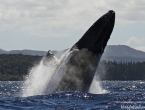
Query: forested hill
[109, 70]
[15, 66]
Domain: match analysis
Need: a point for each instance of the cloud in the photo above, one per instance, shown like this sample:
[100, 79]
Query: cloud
[55, 18]
[142, 48]
[133, 41]
[136, 43]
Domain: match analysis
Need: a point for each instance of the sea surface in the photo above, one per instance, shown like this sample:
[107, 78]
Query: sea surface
[120, 95]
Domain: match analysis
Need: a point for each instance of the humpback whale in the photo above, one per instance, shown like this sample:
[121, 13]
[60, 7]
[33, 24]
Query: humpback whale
[78, 65]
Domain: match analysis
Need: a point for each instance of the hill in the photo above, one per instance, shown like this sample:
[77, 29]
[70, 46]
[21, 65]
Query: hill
[123, 53]
[111, 53]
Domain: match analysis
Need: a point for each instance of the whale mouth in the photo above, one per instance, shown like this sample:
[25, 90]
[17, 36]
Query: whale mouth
[96, 37]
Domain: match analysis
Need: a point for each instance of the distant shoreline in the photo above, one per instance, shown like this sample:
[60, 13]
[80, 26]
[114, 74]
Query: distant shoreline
[14, 67]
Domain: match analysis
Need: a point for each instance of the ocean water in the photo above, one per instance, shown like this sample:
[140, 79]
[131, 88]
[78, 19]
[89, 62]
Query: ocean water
[120, 95]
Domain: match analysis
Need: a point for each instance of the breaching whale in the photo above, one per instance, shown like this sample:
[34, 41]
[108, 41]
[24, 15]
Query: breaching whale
[78, 65]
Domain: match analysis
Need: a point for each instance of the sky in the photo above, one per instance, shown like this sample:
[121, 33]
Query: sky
[58, 24]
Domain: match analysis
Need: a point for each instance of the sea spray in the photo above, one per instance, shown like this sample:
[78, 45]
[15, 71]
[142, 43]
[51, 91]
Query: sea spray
[37, 79]
[43, 78]
[96, 87]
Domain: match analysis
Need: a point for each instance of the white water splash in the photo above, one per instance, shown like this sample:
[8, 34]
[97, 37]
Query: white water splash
[96, 87]
[43, 79]
[37, 80]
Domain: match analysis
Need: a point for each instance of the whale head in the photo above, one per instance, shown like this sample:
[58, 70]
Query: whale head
[96, 37]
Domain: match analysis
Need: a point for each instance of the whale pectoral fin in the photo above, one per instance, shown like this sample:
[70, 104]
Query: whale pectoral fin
[49, 58]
